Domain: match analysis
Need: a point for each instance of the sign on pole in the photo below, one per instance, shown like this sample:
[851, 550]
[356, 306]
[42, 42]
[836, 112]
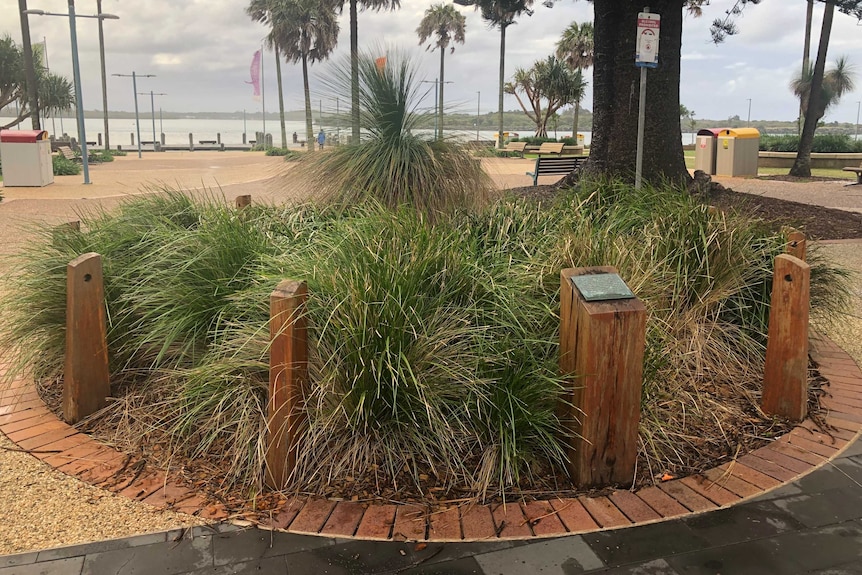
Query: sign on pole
[647, 40]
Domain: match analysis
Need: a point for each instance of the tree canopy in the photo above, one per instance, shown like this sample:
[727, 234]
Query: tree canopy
[55, 93]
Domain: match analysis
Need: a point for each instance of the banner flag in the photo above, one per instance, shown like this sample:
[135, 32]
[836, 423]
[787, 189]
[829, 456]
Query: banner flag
[255, 75]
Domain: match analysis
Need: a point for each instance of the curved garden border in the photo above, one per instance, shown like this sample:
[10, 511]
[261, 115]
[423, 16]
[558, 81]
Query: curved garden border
[26, 420]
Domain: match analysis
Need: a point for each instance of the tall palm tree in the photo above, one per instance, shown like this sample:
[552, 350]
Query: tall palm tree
[500, 14]
[576, 48]
[444, 21]
[304, 31]
[836, 82]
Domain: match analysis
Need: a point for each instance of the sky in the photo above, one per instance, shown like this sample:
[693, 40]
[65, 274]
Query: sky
[200, 53]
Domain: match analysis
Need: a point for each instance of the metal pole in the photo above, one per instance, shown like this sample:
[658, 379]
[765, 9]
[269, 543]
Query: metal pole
[76, 71]
[478, 101]
[104, 75]
[263, 96]
[137, 115]
[639, 163]
[153, 113]
[748, 122]
[437, 115]
[161, 127]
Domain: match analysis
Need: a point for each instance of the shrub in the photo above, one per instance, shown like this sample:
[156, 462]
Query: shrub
[823, 143]
[393, 164]
[64, 167]
[433, 346]
[289, 155]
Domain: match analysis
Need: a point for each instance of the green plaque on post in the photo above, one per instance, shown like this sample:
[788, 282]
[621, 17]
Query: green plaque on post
[598, 287]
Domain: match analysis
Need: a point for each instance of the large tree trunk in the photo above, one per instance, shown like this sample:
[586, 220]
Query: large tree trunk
[500, 141]
[809, 16]
[309, 129]
[354, 72]
[29, 67]
[802, 166]
[575, 122]
[280, 97]
[616, 84]
[439, 134]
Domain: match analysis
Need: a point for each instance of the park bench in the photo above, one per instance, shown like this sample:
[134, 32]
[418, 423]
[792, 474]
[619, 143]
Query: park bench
[551, 166]
[551, 148]
[70, 155]
[202, 142]
[858, 172]
[515, 148]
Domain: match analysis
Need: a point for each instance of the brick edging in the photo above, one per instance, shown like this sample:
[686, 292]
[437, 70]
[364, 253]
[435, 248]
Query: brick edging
[26, 421]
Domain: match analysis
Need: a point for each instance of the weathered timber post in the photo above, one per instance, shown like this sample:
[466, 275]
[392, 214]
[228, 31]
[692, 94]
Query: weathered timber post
[218, 138]
[86, 382]
[601, 350]
[288, 378]
[785, 378]
[796, 243]
[243, 202]
[191, 142]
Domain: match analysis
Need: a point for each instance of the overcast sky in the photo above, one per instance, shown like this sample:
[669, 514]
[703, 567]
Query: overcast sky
[200, 51]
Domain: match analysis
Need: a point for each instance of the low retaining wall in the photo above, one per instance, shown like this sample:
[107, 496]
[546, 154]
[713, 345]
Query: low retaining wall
[786, 159]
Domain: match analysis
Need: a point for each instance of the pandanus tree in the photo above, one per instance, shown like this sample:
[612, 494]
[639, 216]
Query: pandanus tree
[836, 82]
[543, 89]
[448, 25]
[500, 14]
[302, 31]
[577, 50]
[54, 93]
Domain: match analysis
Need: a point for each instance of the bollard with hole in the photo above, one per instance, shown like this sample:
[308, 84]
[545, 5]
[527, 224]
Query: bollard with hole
[796, 243]
[602, 338]
[243, 201]
[63, 230]
[86, 382]
[785, 378]
[288, 379]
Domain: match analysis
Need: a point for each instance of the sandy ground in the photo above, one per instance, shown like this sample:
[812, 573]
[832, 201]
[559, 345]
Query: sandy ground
[43, 508]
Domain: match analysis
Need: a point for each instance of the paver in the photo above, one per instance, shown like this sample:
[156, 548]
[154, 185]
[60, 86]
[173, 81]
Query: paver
[377, 522]
[542, 518]
[604, 512]
[573, 515]
[445, 525]
[510, 521]
[344, 519]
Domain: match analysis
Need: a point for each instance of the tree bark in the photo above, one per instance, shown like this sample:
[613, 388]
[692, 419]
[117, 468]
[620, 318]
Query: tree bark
[309, 129]
[809, 15]
[354, 72]
[280, 97]
[29, 67]
[616, 82]
[575, 122]
[802, 165]
[500, 142]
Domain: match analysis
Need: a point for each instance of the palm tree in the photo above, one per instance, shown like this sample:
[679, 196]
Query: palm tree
[448, 24]
[576, 48]
[500, 14]
[303, 31]
[836, 82]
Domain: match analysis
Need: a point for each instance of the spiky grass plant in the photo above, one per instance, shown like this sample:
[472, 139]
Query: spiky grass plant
[393, 163]
[433, 344]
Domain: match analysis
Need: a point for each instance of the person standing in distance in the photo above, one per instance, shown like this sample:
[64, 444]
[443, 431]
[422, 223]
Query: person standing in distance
[321, 139]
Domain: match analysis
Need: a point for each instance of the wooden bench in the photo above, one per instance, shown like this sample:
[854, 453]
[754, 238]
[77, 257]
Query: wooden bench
[551, 148]
[858, 172]
[67, 153]
[515, 148]
[555, 166]
[202, 142]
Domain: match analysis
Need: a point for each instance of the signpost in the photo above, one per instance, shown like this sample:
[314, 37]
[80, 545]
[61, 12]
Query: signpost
[646, 56]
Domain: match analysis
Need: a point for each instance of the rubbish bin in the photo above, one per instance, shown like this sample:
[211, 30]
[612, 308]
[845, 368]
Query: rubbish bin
[737, 152]
[704, 151]
[26, 158]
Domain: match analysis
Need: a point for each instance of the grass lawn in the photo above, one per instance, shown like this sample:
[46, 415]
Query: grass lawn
[836, 173]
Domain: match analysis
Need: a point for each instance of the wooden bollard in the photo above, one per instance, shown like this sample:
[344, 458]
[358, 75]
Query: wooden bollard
[191, 142]
[601, 350]
[86, 382]
[796, 243]
[785, 378]
[288, 378]
[243, 202]
[58, 232]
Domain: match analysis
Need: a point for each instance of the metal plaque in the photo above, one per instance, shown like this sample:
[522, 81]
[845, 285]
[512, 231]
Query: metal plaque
[597, 287]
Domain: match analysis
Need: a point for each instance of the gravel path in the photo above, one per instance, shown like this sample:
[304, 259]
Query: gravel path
[43, 508]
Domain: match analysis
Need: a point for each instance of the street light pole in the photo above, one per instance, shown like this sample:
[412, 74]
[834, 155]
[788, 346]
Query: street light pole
[104, 75]
[856, 133]
[153, 112]
[748, 122]
[478, 100]
[134, 78]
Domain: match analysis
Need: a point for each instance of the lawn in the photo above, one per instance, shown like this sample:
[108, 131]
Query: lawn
[836, 173]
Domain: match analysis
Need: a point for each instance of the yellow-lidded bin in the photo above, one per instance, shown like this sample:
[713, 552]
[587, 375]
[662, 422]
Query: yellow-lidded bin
[737, 152]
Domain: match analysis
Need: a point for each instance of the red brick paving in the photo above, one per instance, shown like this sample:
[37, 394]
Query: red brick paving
[26, 420]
